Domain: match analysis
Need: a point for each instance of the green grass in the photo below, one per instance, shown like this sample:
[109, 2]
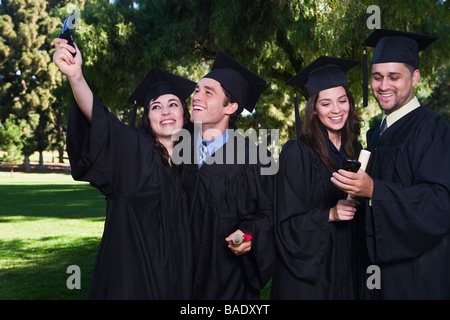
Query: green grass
[47, 223]
[48, 156]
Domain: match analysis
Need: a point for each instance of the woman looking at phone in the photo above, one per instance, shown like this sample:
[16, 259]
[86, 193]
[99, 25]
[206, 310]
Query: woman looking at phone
[313, 219]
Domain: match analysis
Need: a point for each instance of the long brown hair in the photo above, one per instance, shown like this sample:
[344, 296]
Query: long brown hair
[312, 132]
[144, 123]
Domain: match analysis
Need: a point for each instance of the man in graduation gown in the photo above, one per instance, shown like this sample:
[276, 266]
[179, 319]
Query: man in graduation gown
[407, 220]
[226, 191]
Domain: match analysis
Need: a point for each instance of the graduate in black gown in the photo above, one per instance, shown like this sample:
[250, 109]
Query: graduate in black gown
[228, 196]
[145, 251]
[407, 184]
[313, 219]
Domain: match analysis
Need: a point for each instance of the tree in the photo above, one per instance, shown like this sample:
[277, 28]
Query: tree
[122, 40]
[11, 142]
[28, 125]
[278, 38]
[439, 99]
[26, 89]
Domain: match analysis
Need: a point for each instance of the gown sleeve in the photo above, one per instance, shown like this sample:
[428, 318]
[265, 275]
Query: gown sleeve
[256, 211]
[99, 151]
[411, 201]
[301, 226]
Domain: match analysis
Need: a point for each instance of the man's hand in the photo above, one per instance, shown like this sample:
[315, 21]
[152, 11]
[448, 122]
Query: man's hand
[358, 184]
[242, 248]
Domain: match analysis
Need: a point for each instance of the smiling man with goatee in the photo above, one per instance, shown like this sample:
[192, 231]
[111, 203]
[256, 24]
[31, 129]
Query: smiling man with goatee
[407, 184]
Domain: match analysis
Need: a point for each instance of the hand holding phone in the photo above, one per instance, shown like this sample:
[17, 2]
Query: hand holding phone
[66, 32]
[355, 165]
[351, 165]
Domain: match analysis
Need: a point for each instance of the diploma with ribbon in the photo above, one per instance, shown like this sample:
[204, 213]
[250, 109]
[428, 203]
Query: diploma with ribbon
[239, 238]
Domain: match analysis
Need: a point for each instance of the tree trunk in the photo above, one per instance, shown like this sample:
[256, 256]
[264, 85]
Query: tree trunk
[59, 135]
[61, 154]
[12, 165]
[26, 164]
[41, 160]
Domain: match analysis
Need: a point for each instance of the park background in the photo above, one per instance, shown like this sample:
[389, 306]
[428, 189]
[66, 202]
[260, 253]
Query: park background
[48, 221]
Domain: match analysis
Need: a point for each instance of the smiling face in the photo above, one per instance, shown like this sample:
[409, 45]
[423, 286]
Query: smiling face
[392, 85]
[207, 105]
[166, 115]
[332, 109]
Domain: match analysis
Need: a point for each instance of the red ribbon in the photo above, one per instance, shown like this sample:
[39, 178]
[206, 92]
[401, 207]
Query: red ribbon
[247, 236]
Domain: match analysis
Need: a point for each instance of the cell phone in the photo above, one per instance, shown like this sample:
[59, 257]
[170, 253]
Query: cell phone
[351, 165]
[66, 32]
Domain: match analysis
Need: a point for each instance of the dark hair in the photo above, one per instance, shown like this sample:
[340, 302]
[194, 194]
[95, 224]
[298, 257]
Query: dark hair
[312, 132]
[235, 116]
[410, 68]
[144, 123]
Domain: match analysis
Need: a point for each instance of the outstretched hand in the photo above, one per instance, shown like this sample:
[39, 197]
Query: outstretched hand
[68, 64]
[71, 67]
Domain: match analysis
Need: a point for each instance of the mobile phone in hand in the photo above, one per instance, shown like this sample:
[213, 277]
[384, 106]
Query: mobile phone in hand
[351, 165]
[66, 32]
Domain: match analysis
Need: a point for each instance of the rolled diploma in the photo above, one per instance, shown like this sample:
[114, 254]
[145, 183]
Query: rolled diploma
[237, 239]
[364, 156]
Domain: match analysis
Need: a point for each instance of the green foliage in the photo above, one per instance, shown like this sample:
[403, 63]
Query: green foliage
[10, 141]
[27, 81]
[439, 99]
[122, 40]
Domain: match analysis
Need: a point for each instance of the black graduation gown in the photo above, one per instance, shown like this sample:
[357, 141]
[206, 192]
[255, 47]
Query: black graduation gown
[223, 198]
[408, 223]
[314, 255]
[145, 250]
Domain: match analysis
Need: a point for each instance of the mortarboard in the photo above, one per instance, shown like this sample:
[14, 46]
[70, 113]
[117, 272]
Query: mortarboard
[394, 46]
[158, 82]
[244, 85]
[323, 73]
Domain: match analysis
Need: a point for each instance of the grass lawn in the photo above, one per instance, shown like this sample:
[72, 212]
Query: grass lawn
[47, 223]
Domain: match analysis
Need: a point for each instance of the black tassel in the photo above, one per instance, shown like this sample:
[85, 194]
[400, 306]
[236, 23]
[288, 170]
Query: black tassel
[133, 115]
[365, 84]
[298, 124]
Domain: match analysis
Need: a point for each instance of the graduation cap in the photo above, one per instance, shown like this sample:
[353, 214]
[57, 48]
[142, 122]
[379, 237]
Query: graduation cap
[323, 73]
[159, 82]
[394, 46]
[244, 85]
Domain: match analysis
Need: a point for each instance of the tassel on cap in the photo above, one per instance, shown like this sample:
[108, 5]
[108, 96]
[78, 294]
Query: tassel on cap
[133, 115]
[365, 84]
[298, 124]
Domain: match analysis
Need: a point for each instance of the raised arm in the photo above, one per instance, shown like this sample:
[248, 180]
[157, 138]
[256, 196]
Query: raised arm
[71, 67]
